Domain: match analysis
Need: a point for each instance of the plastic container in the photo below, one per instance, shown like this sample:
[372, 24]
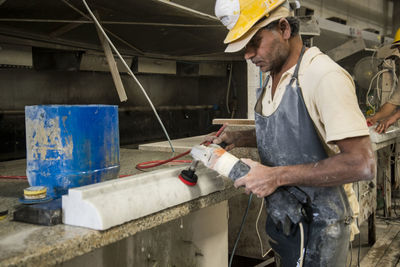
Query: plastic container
[71, 145]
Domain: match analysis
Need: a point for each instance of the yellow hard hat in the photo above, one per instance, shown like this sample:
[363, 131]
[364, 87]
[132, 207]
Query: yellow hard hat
[239, 16]
[396, 41]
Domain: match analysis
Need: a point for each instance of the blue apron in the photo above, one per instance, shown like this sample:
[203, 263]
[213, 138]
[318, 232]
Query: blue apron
[288, 137]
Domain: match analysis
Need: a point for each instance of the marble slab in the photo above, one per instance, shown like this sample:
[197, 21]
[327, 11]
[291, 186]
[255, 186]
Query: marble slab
[107, 204]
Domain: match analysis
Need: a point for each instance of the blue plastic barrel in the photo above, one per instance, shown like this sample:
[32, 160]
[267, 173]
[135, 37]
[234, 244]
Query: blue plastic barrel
[71, 145]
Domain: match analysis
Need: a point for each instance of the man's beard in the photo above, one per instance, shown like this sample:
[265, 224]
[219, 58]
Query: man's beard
[281, 54]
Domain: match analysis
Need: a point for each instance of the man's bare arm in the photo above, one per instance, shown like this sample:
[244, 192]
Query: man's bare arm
[355, 162]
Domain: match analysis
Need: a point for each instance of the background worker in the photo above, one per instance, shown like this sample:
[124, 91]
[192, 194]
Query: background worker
[311, 135]
[389, 113]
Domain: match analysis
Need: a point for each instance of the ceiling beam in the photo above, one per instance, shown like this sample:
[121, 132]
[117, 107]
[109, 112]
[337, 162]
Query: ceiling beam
[64, 29]
[105, 29]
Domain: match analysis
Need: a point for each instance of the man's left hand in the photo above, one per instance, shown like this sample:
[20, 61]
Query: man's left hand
[260, 180]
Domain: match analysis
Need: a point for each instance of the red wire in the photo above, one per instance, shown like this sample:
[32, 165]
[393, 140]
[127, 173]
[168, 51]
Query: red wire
[155, 163]
[12, 177]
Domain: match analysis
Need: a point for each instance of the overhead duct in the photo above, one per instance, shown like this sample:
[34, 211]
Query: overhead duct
[55, 59]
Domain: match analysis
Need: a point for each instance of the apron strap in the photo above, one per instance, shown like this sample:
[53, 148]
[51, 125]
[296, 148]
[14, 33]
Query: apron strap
[296, 70]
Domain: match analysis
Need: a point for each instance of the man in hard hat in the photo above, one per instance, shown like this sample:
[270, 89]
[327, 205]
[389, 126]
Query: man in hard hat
[389, 113]
[311, 135]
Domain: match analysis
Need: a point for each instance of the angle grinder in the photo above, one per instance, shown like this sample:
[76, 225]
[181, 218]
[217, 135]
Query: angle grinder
[189, 176]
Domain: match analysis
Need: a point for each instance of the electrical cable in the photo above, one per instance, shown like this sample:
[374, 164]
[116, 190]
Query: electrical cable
[240, 229]
[235, 98]
[155, 163]
[258, 233]
[351, 253]
[130, 72]
[387, 68]
[392, 68]
[301, 259]
[13, 177]
[228, 89]
[370, 85]
[358, 226]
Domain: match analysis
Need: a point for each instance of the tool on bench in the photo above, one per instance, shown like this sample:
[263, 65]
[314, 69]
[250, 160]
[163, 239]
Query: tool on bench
[218, 159]
[35, 195]
[189, 176]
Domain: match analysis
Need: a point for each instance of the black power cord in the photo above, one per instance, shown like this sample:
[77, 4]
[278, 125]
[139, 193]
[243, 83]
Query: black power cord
[358, 226]
[240, 230]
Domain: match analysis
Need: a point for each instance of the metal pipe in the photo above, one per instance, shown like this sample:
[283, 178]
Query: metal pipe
[110, 22]
[127, 109]
[166, 108]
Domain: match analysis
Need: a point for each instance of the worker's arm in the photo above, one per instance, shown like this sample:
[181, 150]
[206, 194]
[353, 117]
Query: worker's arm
[385, 111]
[382, 126]
[354, 163]
[235, 139]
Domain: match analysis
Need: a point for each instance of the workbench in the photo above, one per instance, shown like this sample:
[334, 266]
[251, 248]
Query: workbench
[32, 245]
[185, 229]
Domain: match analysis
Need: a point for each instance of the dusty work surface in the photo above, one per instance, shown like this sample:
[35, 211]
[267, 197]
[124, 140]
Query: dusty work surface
[23, 244]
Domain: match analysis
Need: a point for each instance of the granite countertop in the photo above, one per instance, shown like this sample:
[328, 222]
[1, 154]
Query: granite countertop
[26, 244]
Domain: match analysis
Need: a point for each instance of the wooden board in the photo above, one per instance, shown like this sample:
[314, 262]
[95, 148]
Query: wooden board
[233, 121]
